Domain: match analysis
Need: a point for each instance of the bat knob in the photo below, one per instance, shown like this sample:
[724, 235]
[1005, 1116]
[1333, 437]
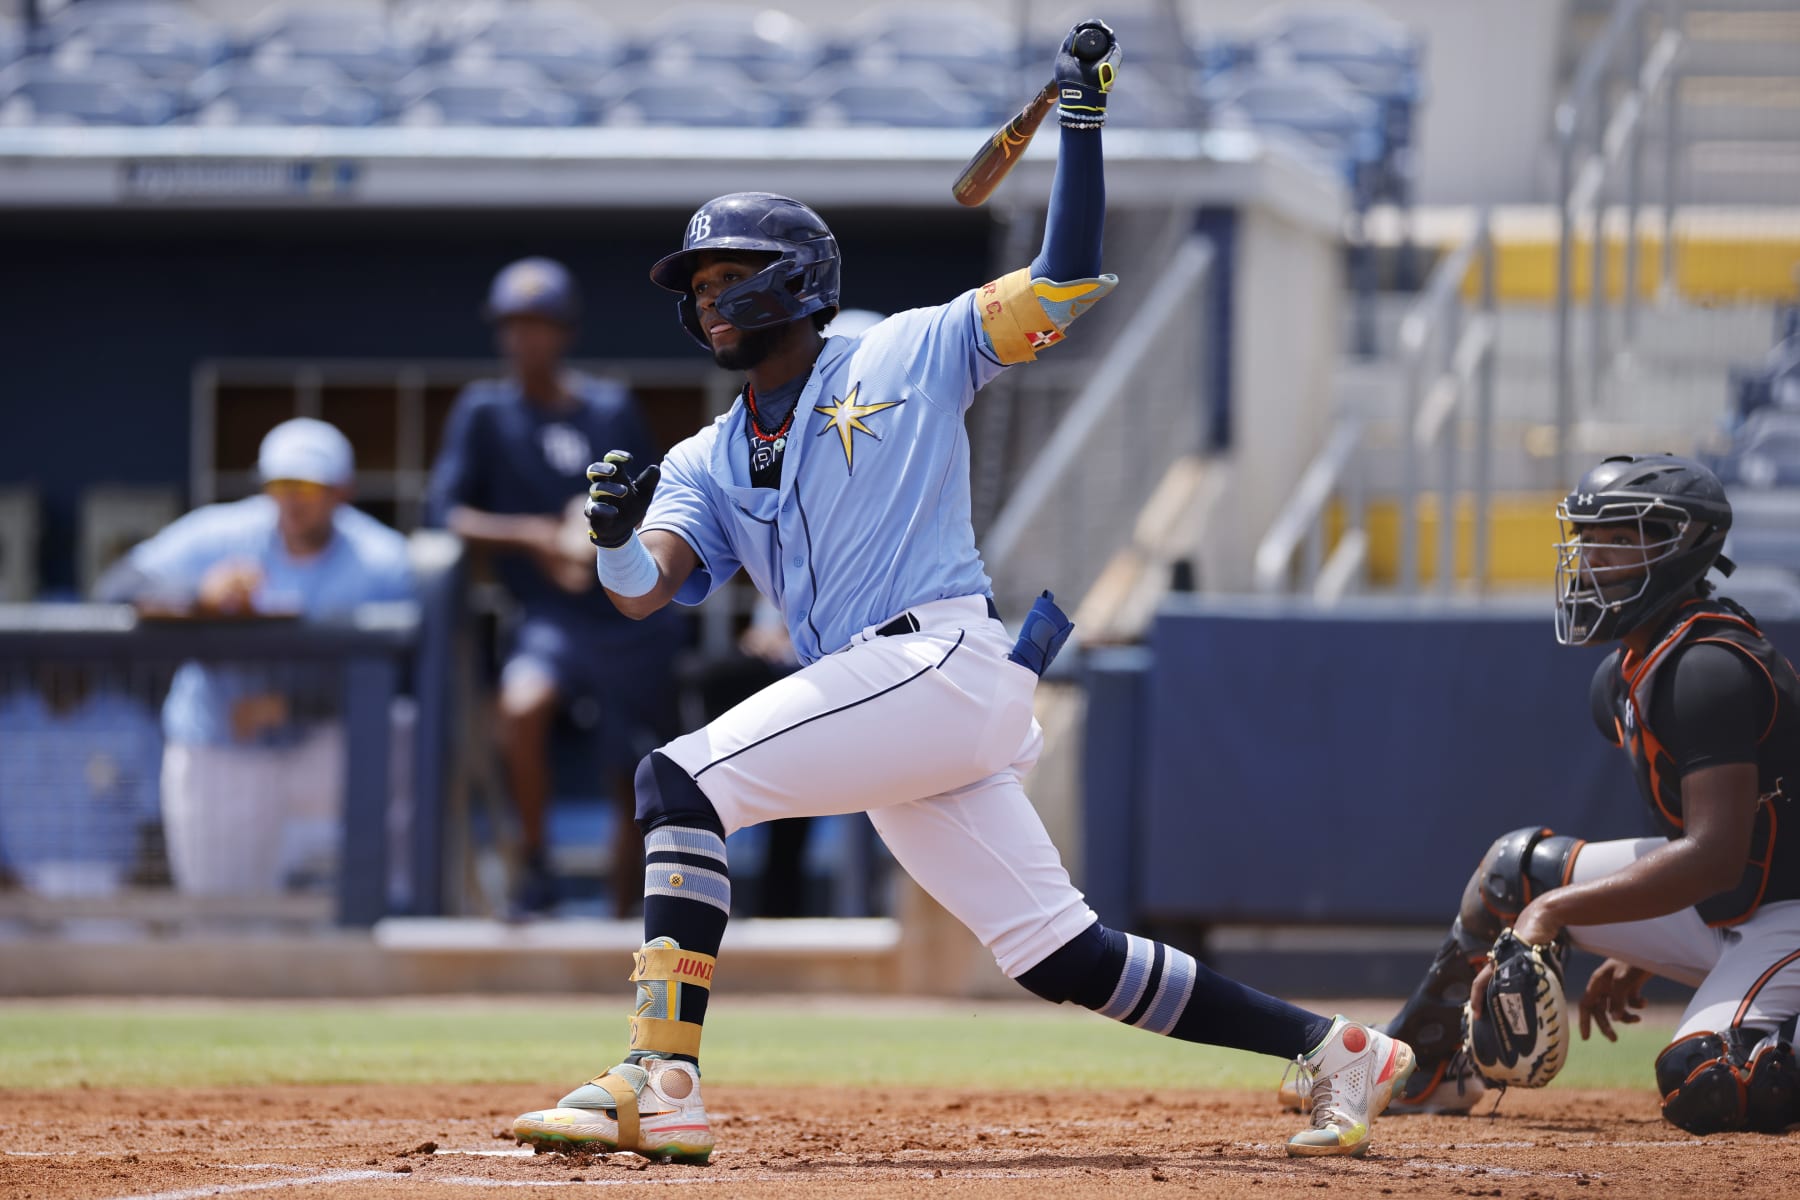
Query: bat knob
[1091, 45]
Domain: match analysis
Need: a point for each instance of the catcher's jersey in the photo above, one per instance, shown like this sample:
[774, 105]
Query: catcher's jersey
[873, 515]
[1713, 691]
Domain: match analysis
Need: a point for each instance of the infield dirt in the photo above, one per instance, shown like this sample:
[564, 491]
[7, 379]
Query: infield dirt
[426, 1143]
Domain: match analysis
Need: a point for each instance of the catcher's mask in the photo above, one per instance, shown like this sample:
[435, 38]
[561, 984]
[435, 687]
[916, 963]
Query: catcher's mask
[1638, 532]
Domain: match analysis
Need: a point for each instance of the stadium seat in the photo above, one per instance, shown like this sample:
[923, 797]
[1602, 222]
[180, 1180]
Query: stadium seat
[571, 48]
[720, 98]
[168, 42]
[282, 92]
[1312, 104]
[356, 41]
[42, 91]
[478, 91]
[921, 96]
[769, 46]
[1765, 527]
[977, 47]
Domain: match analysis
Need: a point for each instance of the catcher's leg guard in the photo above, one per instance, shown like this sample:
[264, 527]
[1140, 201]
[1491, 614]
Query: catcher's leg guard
[1724, 1082]
[1517, 869]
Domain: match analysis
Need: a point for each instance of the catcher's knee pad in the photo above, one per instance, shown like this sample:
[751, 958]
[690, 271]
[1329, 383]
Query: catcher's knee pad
[1728, 1081]
[1517, 869]
[1085, 970]
[667, 795]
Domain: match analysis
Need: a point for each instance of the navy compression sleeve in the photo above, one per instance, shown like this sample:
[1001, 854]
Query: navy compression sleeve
[1077, 216]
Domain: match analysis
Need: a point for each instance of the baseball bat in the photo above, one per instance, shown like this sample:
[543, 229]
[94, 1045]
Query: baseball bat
[983, 173]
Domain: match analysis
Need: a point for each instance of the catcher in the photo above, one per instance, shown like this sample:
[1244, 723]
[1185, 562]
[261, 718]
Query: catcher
[1709, 713]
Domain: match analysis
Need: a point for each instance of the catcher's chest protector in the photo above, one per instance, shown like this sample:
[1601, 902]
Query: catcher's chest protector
[1772, 870]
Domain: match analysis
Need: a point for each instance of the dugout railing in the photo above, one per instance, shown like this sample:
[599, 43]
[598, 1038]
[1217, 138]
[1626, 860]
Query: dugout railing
[81, 688]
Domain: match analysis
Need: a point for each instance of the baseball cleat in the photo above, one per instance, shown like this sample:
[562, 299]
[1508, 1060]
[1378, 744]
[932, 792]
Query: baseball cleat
[1351, 1077]
[1451, 1090]
[667, 1122]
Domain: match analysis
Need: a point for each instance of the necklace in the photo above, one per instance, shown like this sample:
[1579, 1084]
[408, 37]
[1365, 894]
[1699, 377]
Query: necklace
[756, 427]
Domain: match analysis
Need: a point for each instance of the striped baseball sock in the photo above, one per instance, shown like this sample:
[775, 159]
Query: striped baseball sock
[1154, 986]
[687, 899]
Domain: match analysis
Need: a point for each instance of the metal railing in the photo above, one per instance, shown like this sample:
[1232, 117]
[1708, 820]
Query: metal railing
[1595, 131]
[1447, 355]
[1448, 352]
[1083, 492]
[1301, 525]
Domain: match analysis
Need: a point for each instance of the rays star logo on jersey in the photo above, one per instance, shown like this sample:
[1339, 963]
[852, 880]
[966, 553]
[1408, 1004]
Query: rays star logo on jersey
[846, 418]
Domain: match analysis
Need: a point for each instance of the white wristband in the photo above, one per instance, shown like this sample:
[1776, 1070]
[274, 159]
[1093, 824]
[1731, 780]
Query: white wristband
[628, 570]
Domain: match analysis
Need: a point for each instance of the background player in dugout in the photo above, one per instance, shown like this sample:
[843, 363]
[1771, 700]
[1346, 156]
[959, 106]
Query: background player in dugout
[510, 480]
[839, 482]
[1709, 714]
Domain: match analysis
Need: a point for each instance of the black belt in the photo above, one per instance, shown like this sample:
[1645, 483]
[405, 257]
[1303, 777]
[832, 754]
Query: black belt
[907, 623]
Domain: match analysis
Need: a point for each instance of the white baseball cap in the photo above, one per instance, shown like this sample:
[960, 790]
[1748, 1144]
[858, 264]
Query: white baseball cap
[309, 450]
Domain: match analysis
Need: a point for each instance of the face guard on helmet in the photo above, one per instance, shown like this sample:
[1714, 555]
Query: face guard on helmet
[802, 278]
[1638, 532]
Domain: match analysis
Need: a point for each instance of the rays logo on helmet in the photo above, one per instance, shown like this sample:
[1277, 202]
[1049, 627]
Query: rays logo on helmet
[700, 228]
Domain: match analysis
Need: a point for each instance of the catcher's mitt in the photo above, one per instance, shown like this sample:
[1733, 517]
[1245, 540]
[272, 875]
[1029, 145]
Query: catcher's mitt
[1520, 1035]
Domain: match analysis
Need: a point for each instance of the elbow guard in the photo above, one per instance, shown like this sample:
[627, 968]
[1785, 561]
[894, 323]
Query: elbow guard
[1021, 315]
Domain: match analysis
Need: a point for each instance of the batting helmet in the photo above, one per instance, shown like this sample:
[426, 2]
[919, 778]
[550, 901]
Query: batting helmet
[802, 280]
[1682, 516]
[533, 287]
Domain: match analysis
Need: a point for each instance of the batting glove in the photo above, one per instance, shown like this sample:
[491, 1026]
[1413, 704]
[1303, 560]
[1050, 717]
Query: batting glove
[617, 501]
[1085, 69]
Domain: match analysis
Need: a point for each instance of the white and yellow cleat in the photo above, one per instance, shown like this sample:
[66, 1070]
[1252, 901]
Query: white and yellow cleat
[652, 1108]
[1348, 1080]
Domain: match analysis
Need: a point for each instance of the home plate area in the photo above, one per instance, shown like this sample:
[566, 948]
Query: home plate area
[417, 1142]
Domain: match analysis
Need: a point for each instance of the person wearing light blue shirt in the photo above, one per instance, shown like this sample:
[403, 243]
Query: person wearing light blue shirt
[839, 483]
[253, 760]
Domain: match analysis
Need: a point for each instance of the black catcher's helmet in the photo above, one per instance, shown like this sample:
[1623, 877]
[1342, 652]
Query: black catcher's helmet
[801, 281]
[1681, 515]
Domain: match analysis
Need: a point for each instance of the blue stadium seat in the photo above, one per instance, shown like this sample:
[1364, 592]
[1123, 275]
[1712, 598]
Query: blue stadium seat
[919, 97]
[1315, 106]
[42, 91]
[567, 45]
[977, 47]
[469, 91]
[356, 41]
[768, 45]
[277, 92]
[721, 97]
[169, 42]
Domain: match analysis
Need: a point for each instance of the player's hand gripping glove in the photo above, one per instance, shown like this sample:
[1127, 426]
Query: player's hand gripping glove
[616, 500]
[1519, 1035]
[1086, 66]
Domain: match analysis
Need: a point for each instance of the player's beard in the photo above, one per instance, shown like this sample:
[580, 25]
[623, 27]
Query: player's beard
[753, 345]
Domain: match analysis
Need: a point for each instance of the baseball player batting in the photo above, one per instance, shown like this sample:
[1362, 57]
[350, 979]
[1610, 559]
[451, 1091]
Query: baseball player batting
[1709, 714]
[839, 481]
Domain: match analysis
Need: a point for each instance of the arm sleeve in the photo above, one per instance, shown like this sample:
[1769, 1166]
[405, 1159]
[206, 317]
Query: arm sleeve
[1711, 706]
[1076, 219]
[683, 506]
[453, 478]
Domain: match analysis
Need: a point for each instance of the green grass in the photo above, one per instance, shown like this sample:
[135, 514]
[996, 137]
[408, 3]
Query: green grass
[561, 1041]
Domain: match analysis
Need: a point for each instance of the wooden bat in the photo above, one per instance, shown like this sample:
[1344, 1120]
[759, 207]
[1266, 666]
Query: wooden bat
[999, 153]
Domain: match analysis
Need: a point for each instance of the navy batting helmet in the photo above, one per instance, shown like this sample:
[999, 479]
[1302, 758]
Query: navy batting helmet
[533, 287]
[1681, 515]
[801, 281]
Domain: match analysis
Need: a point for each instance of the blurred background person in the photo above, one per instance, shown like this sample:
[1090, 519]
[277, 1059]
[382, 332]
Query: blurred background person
[253, 760]
[511, 480]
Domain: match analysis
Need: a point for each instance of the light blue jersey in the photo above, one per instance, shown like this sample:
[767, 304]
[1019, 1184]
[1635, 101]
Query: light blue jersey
[873, 513]
[365, 562]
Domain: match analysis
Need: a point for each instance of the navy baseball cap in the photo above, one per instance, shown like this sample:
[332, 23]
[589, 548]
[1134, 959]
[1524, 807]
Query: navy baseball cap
[533, 287]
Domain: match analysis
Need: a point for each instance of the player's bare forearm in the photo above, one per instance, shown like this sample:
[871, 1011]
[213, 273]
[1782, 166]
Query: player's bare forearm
[1719, 804]
[675, 561]
[500, 531]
